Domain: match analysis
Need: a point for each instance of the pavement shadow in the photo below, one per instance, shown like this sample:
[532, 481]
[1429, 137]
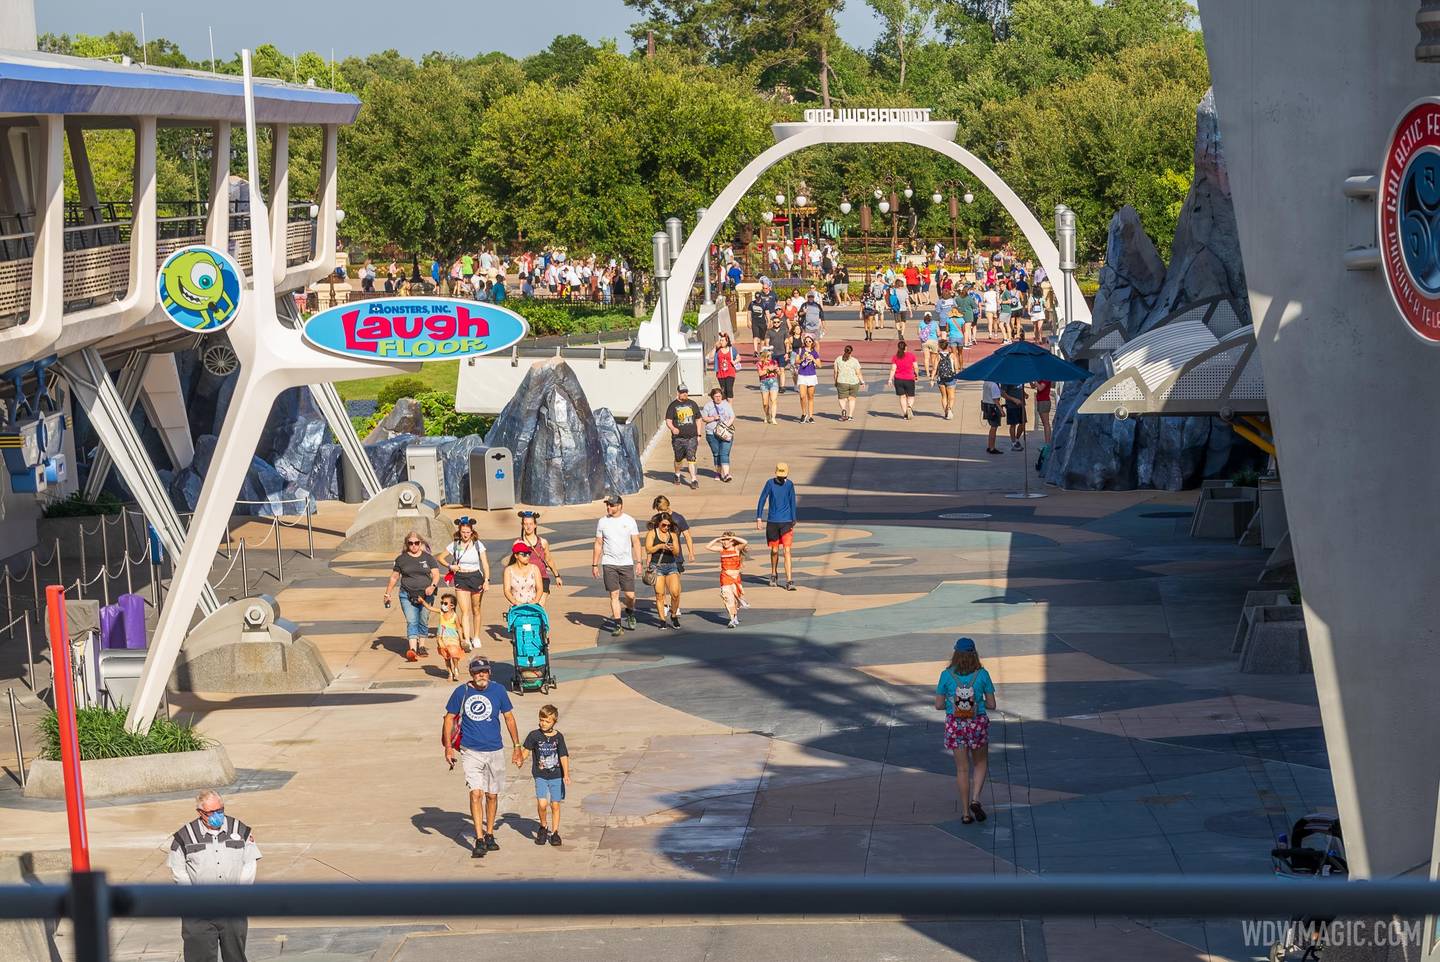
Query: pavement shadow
[455, 826]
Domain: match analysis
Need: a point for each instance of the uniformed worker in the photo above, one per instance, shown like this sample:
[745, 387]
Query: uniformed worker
[213, 849]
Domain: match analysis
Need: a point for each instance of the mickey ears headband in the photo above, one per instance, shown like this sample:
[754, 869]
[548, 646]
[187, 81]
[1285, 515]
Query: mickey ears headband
[527, 514]
[464, 519]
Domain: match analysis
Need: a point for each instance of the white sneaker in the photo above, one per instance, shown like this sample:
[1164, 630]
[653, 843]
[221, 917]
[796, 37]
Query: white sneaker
[734, 623]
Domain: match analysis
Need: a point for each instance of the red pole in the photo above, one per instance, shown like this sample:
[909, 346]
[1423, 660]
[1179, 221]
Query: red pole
[64, 698]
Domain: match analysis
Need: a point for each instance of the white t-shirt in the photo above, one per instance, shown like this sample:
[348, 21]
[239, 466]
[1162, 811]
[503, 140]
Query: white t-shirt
[466, 556]
[615, 534]
[990, 393]
[992, 301]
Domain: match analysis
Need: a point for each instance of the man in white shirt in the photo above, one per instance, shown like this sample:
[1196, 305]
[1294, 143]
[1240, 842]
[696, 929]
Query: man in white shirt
[213, 849]
[990, 401]
[617, 557]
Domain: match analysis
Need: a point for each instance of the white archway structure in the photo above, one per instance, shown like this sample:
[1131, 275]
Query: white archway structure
[792, 138]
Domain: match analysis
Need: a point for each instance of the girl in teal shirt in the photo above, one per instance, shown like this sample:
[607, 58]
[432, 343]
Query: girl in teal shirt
[967, 695]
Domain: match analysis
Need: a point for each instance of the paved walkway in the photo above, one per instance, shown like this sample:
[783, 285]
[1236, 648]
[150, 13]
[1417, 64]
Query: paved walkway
[804, 741]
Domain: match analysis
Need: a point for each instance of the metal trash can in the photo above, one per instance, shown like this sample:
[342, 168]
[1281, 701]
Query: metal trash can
[492, 479]
[120, 675]
[425, 466]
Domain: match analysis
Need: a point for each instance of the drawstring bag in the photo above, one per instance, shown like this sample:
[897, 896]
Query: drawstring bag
[964, 698]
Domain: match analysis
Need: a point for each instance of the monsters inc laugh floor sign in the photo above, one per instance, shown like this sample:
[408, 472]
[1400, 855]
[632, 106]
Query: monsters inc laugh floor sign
[415, 329]
[1409, 212]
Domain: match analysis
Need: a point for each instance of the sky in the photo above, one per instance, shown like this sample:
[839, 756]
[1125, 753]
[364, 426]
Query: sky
[365, 26]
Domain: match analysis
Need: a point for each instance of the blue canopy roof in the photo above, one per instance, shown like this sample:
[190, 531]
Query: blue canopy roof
[45, 83]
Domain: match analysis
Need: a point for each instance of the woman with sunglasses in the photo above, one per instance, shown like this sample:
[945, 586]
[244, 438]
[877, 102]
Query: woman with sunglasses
[465, 557]
[539, 552]
[662, 547]
[418, 574]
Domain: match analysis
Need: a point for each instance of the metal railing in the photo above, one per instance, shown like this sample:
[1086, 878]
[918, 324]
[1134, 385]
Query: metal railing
[90, 901]
[21, 591]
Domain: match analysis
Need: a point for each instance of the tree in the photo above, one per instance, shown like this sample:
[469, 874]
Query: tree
[562, 62]
[598, 166]
[777, 43]
[405, 160]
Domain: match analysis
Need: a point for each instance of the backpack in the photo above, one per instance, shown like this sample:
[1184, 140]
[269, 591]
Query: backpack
[894, 302]
[964, 699]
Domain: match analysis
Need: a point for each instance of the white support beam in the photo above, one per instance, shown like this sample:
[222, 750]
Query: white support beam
[46, 163]
[217, 221]
[279, 197]
[164, 403]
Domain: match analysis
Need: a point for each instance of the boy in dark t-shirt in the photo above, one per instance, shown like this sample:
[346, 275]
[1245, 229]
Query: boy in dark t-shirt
[550, 764]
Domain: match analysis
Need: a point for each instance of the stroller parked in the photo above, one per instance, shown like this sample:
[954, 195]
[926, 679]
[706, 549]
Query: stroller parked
[529, 628]
[1312, 850]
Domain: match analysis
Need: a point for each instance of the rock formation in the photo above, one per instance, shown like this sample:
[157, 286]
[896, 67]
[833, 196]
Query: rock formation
[560, 454]
[1098, 452]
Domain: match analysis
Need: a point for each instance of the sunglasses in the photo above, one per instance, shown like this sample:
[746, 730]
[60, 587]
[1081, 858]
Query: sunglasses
[412, 542]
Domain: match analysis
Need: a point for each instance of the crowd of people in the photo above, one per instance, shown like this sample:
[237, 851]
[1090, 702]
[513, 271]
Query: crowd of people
[488, 275]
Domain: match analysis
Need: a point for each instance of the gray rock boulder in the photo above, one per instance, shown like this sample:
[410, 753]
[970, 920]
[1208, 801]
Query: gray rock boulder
[388, 458]
[624, 473]
[549, 427]
[1132, 277]
[1205, 258]
[404, 418]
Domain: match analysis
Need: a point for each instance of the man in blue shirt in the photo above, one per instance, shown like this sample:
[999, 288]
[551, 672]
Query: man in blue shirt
[472, 735]
[775, 512]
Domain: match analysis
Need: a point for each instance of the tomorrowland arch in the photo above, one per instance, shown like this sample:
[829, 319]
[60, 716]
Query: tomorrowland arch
[847, 127]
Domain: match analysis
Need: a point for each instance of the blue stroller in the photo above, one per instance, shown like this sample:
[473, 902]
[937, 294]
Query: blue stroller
[1312, 850]
[529, 628]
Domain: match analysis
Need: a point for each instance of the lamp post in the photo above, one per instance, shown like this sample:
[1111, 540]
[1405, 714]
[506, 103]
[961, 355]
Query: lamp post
[660, 245]
[1065, 241]
[865, 231]
[709, 306]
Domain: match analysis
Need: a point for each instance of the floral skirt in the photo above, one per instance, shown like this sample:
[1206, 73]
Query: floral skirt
[967, 732]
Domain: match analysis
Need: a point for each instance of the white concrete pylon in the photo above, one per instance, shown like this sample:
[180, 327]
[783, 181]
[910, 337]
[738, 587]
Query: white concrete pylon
[273, 358]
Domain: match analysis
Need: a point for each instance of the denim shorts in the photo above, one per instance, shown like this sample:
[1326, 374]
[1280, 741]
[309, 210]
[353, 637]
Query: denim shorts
[550, 789]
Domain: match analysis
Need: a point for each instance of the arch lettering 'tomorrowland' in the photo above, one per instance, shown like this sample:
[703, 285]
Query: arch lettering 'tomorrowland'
[686, 266]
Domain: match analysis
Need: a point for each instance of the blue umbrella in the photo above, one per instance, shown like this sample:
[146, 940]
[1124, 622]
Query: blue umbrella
[1021, 362]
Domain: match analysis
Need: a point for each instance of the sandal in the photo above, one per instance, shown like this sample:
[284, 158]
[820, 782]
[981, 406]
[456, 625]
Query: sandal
[966, 820]
[979, 812]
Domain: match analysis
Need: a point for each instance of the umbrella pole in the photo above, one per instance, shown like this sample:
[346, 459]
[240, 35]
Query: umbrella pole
[1027, 494]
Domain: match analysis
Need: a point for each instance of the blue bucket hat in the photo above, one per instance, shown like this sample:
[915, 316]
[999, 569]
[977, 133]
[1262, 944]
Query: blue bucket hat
[964, 644]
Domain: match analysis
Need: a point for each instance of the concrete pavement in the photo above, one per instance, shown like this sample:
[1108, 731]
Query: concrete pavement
[804, 741]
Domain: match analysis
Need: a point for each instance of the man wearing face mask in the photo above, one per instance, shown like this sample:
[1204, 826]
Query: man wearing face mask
[213, 849]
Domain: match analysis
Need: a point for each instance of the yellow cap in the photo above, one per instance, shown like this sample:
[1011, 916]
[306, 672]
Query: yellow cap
[782, 470]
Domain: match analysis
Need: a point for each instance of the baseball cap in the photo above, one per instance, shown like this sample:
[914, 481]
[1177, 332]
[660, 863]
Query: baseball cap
[479, 664]
[614, 499]
[782, 470]
[682, 389]
[961, 644]
[520, 547]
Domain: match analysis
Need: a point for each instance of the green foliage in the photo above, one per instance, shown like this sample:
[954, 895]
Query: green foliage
[1245, 478]
[547, 320]
[102, 734]
[396, 388]
[441, 418]
[77, 506]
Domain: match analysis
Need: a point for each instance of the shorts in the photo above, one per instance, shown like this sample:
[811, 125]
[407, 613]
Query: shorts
[484, 771]
[847, 390]
[991, 414]
[769, 384]
[1042, 407]
[545, 585]
[550, 789]
[758, 331]
[932, 347]
[469, 580]
[666, 568]
[619, 577]
[1014, 414]
[807, 380]
[967, 732]
[730, 594]
[948, 381]
[779, 533]
[449, 646]
[904, 388]
[684, 448]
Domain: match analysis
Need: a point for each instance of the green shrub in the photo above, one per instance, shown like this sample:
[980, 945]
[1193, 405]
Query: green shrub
[1294, 594]
[76, 506]
[548, 320]
[393, 390]
[441, 418]
[1247, 478]
[103, 735]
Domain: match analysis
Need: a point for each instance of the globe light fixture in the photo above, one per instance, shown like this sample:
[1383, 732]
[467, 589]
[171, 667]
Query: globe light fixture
[800, 200]
[969, 197]
[314, 211]
[779, 200]
[879, 193]
[767, 216]
[937, 197]
[845, 207]
[909, 192]
[339, 216]
[884, 207]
